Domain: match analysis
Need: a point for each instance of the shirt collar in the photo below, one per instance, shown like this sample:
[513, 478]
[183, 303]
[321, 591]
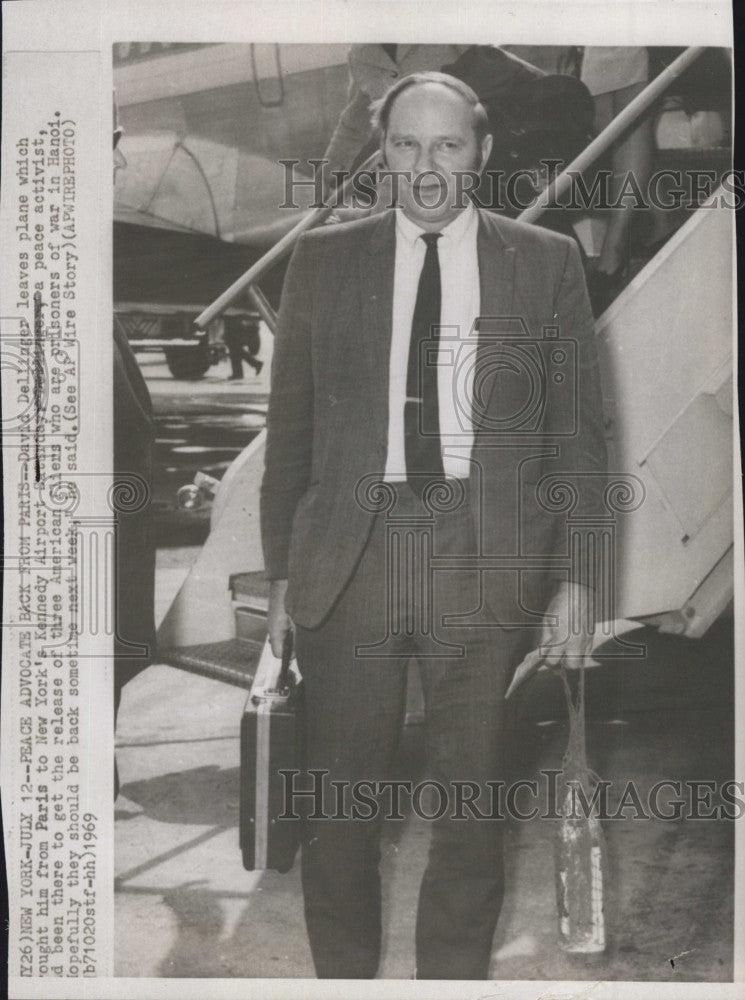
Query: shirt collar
[454, 232]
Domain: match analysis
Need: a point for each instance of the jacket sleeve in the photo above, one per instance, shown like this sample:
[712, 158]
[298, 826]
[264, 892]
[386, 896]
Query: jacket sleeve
[289, 428]
[582, 460]
[352, 131]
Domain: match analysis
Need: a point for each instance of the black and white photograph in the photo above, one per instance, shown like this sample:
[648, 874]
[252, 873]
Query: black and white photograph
[285, 484]
[394, 534]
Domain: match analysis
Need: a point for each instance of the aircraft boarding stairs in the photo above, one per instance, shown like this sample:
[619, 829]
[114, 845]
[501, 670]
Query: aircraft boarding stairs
[665, 349]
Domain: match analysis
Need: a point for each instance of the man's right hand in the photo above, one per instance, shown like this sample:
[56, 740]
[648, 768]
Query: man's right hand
[278, 621]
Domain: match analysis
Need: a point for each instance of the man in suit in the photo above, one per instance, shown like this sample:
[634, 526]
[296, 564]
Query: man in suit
[420, 399]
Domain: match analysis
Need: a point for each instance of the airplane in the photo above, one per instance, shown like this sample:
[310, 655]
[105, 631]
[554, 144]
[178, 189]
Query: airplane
[204, 128]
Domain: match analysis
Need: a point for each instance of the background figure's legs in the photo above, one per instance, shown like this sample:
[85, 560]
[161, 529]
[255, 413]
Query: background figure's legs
[631, 155]
[235, 353]
[255, 362]
[252, 346]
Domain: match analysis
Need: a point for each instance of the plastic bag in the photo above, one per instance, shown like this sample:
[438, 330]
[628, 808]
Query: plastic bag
[580, 845]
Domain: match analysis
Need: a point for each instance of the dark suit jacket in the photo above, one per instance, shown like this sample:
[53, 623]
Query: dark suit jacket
[539, 411]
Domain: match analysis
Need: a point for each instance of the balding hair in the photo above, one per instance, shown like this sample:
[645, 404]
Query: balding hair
[381, 109]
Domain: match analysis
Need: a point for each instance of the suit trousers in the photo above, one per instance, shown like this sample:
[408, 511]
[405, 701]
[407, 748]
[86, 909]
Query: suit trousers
[399, 603]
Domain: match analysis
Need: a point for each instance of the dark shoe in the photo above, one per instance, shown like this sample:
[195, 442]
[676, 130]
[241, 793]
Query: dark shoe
[258, 365]
[235, 378]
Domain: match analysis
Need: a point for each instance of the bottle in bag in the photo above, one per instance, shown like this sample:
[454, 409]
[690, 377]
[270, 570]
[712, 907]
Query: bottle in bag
[579, 847]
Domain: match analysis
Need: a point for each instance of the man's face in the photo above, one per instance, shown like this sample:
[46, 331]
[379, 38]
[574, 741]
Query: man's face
[430, 135]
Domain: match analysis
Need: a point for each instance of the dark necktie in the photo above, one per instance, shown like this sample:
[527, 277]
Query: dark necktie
[422, 410]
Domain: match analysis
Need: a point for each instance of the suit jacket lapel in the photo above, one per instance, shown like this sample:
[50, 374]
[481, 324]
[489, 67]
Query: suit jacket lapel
[496, 270]
[497, 285]
[376, 265]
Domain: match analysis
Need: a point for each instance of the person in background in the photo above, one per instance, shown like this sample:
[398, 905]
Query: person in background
[615, 76]
[243, 341]
[540, 120]
[533, 114]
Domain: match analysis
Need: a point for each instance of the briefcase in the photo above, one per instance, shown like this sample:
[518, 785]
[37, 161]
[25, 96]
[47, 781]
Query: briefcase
[271, 741]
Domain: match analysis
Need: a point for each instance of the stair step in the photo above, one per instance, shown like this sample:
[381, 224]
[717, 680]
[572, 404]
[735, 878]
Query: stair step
[232, 661]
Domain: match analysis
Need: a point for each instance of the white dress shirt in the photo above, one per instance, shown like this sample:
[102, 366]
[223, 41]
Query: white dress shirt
[461, 299]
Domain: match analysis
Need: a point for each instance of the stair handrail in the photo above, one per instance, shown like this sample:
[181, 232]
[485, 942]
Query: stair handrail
[280, 249]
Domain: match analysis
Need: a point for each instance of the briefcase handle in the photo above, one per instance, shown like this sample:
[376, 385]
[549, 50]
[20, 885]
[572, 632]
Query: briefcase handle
[283, 682]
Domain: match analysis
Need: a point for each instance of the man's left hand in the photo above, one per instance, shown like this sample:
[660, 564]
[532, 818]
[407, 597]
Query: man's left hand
[567, 635]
